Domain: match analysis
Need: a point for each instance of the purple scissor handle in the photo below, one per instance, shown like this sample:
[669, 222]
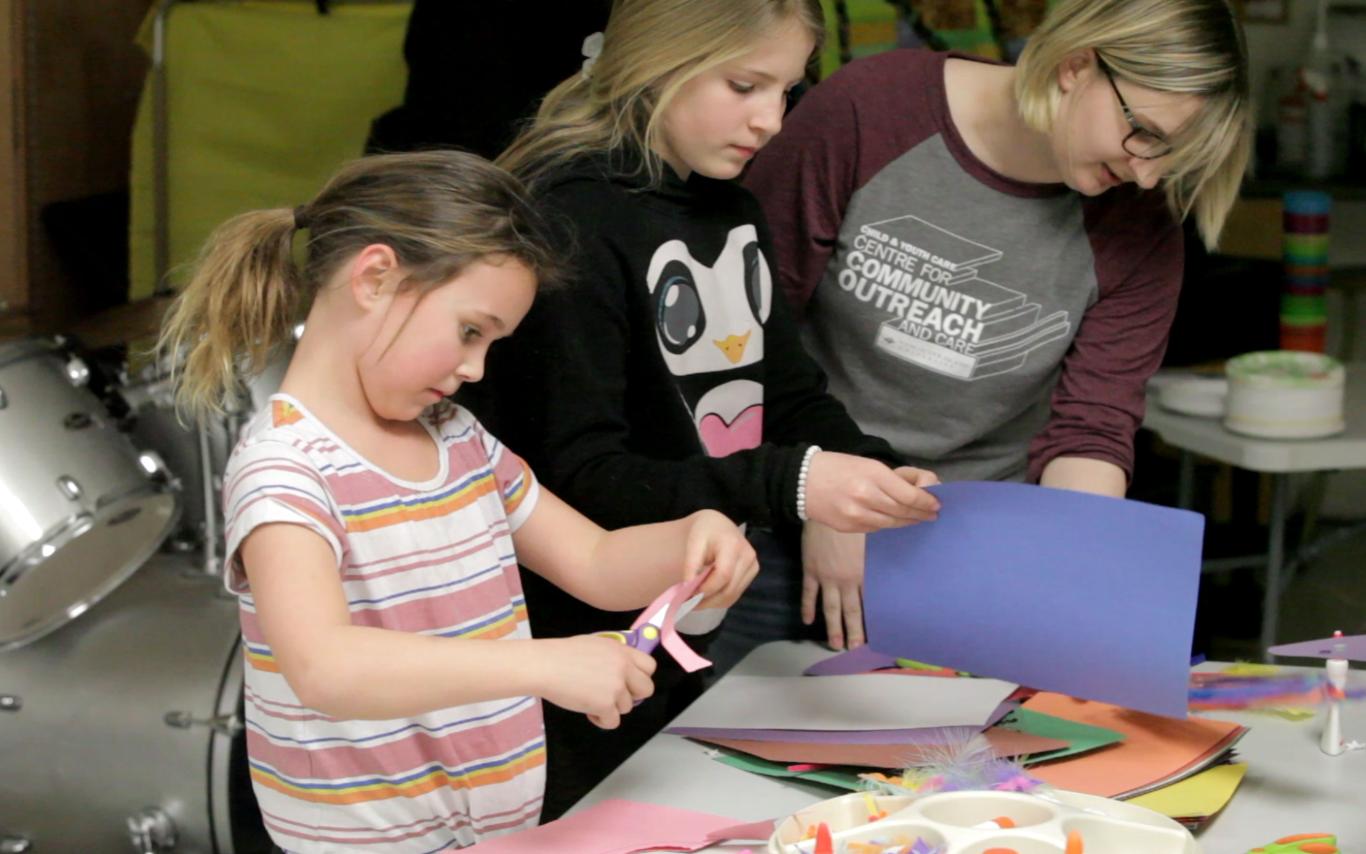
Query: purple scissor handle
[646, 636]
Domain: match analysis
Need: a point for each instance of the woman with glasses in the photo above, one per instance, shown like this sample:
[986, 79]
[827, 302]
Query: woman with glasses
[986, 257]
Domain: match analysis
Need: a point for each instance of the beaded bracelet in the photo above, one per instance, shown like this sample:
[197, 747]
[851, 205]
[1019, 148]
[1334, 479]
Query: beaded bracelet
[801, 480]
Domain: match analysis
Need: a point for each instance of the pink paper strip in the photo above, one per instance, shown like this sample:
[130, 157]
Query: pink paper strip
[614, 827]
[669, 639]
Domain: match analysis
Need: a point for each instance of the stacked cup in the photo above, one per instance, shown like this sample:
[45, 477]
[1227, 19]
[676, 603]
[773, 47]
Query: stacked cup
[1304, 315]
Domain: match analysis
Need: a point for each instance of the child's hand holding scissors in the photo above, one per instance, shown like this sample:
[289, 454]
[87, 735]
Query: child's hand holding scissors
[596, 675]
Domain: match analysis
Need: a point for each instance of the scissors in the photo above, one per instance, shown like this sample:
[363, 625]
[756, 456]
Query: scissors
[646, 636]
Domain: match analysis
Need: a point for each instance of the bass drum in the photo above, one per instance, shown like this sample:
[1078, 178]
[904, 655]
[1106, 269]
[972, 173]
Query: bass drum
[128, 724]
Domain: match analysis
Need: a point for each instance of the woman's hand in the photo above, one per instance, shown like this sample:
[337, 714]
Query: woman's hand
[715, 545]
[832, 571]
[857, 495]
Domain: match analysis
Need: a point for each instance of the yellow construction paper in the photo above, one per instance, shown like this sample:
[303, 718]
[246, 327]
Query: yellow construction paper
[1202, 794]
[1251, 668]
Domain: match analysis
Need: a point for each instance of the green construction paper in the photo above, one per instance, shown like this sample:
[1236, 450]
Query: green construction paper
[1081, 737]
[835, 776]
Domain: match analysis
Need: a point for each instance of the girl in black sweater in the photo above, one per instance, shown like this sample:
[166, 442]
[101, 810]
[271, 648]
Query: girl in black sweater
[668, 376]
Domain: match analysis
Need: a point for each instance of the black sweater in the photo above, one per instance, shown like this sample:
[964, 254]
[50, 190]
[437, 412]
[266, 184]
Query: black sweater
[613, 380]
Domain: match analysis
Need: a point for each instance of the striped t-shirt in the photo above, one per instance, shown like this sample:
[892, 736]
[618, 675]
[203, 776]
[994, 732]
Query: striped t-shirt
[432, 558]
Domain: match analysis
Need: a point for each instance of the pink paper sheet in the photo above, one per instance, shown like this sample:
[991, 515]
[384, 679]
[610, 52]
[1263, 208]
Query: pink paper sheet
[614, 827]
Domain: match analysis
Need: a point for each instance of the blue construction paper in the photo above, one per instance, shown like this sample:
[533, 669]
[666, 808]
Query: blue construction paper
[1058, 590]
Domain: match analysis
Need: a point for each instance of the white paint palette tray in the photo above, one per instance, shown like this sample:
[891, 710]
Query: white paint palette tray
[969, 823]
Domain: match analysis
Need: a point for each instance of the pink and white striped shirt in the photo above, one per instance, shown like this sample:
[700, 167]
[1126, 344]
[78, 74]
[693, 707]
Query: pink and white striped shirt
[431, 558]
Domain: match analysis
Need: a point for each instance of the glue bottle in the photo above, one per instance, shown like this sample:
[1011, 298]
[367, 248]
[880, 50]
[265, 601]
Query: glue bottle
[1331, 741]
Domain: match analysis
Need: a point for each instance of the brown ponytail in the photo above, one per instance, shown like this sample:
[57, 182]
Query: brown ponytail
[439, 211]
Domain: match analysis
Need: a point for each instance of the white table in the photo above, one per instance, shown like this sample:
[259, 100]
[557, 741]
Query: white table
[1277, 457]
[1290, 786]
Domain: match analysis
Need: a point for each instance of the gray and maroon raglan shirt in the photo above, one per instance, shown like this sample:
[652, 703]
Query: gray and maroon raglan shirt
[983, 325]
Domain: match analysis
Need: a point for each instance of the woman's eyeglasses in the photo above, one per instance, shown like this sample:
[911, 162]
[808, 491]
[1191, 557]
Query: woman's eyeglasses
[1141, 142]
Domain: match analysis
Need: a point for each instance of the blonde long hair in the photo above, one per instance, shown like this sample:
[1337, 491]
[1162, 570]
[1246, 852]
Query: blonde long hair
[651, 48]
[1188, 47]
[439, 212]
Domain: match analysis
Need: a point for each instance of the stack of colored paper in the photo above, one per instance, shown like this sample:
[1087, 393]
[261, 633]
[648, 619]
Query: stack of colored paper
[837, 758]
[1156, 752]
[1198, 798]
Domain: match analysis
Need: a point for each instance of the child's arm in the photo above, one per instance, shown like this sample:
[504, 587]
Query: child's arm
[625, 569]
[358, 672]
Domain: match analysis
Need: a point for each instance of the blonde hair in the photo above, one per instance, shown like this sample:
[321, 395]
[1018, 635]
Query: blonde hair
[439, 212]
[651, 48]
[1188, 47]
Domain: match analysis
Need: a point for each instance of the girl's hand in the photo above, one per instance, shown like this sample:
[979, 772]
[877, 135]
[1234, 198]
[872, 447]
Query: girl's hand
[717, 547]
[857, 495]
[599, 676]
[832, 571]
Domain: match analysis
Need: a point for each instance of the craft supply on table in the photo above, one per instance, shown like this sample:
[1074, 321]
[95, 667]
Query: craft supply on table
[1004, 743]
[1223, 692]
[1190, 392]
[976, 822]
[1055, 589]
[862, 702]
[1350, 647]
[616, 827]
[1198, 798]
[1301, 843]
[1156, 751]
[1283, 394]
[1304, 314]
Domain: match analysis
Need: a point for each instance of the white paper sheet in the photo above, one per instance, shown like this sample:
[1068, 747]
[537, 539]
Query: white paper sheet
[866, 701]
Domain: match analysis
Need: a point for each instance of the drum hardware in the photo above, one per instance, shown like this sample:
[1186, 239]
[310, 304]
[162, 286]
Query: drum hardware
[70, 487]
[14, 844]
[212, 483]
[229, 724]
[151, 831]
[10, 703]
[80, 508]
[78, 372]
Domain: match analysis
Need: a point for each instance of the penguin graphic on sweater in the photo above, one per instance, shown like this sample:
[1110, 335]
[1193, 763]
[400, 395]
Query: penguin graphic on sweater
[709, 321]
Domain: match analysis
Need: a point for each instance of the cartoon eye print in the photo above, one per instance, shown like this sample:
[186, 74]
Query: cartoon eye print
[710, 317]
[756, 284]
[679, 316]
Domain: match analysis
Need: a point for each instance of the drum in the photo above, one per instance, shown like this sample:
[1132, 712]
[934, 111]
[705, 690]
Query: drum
[80, 508]
[197, 455]
[127, 723]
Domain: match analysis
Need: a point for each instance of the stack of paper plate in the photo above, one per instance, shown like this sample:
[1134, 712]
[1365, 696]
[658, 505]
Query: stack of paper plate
[1190, 392]
[1284, 394]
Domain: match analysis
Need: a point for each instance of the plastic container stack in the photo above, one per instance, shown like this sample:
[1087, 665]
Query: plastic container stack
[1304, 315]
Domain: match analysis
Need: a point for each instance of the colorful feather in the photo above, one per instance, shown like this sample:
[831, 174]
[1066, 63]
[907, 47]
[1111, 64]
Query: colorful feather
[963, 765]
[1220, 691]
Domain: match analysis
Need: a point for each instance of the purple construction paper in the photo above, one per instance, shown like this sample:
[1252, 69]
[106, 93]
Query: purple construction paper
[1353, 648]
[861, 659]
[1055, 589]
[915, 735]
